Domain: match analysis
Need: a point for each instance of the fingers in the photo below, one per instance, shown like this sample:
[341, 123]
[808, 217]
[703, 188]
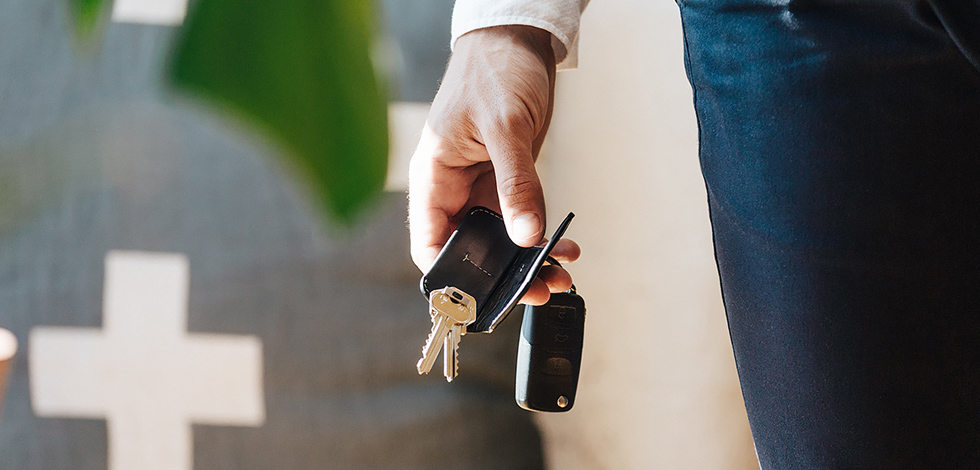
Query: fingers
[550, 279]
[427, 244]
[537, 294]
[427, 224]
[436, 193]
[518, 189]
[556, 278]
[566, 251]
[553, 279]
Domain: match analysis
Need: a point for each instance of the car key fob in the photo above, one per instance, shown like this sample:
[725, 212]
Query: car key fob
[549, 353]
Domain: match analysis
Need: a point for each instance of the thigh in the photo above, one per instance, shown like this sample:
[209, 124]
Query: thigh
[839, 145]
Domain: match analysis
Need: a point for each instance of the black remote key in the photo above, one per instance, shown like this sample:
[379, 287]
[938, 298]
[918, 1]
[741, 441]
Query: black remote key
[549, 353]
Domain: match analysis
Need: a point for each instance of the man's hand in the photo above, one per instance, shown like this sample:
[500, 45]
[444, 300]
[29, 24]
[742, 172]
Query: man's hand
[478, 148]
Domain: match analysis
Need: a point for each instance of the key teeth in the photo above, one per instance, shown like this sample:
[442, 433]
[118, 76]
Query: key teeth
[428, 344]
[430, 350]
[428, 339]
[453, 342]
[456, 355]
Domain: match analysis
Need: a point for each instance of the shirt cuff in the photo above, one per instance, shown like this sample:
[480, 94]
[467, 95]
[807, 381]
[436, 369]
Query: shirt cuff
[560, 18]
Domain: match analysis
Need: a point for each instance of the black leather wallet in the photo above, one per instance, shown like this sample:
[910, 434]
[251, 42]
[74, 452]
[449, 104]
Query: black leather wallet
[481, 260]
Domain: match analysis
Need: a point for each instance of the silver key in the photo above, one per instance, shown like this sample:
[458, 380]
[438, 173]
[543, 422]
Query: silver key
[450, 353]
[434, 342]
[451, 310]
[463, 317]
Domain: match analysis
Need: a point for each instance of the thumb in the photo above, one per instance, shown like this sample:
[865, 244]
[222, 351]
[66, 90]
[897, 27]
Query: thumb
[519, 192]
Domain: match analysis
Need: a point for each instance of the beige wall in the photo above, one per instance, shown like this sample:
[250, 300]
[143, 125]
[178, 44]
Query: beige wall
[658, 387]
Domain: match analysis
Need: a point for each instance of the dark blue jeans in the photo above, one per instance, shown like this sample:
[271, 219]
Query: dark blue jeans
[840, 145]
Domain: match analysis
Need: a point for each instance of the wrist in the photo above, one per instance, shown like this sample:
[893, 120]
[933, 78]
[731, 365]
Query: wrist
[534, 39]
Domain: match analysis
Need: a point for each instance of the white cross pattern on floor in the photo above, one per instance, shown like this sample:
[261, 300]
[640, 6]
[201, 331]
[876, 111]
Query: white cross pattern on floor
[160, 12]
[142, 371]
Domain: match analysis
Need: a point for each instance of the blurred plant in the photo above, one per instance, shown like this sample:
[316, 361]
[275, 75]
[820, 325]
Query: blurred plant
[87, 15]
[301, 71]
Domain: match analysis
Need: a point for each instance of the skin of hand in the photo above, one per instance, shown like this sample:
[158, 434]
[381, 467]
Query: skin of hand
[479, 145]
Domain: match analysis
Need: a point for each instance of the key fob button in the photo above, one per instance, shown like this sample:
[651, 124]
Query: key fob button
[563, 314]
[552, 336]
[557, 366]
[561, 338]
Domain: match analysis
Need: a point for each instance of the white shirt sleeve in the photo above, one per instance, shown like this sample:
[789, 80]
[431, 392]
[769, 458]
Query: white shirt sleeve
[559, 17]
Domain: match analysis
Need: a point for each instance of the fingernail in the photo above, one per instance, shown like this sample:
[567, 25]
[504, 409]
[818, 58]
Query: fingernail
[526, 226]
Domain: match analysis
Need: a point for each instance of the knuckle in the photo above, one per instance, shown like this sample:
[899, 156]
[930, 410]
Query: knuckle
[510, 121]
[518, 188]
[517, 121]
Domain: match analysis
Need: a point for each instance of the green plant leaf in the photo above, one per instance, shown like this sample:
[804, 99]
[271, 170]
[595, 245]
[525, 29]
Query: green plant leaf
[87, 15]
[301, 70]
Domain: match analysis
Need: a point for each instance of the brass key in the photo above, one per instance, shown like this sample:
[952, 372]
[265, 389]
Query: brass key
[451, 310]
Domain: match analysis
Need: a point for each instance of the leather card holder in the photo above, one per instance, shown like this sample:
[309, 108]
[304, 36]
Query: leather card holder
[480, 259]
